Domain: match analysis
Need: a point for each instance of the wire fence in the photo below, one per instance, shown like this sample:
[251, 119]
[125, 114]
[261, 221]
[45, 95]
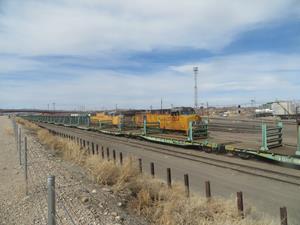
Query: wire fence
[55, 206]
[36, 171]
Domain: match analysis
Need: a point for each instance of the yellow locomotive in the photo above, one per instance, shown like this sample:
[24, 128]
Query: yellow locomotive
[105, 118]
[176, 119]
[179, 119]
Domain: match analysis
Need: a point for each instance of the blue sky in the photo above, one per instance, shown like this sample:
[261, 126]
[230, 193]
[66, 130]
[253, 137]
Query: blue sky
[100, 53]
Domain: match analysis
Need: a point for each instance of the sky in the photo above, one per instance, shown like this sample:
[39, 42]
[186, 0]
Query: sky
[99, 54]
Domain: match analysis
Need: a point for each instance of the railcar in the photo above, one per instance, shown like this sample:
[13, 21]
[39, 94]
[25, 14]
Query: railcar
[179, 119]
[176, 119]
[104, 119]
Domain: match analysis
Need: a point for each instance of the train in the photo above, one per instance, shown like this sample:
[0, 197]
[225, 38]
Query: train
[178, 119]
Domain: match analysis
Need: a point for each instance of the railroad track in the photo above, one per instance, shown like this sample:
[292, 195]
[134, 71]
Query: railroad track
[260, 171]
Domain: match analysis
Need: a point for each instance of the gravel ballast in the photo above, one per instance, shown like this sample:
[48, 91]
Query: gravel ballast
[79, 200]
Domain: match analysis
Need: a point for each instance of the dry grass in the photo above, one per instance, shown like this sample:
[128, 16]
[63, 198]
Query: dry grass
[27, 124]
[151, 197]
[104, 172]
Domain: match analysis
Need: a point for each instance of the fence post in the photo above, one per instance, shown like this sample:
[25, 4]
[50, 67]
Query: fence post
[121, 158]
[114, 155]
[107, 153]
[207, 190]
[152, 169]
[25, 165]
[169, 177]
[16, 133]
[93, 148]
[187, 185]
[240, 203]
[140, 165]
[20, 144]
[102, 152]
[283, 216]
[97, 149]
[51, 200]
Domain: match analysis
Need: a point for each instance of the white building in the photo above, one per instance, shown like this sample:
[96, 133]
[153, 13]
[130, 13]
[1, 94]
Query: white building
[282, 108]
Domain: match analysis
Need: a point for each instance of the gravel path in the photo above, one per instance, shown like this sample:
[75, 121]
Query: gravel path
[79, 201]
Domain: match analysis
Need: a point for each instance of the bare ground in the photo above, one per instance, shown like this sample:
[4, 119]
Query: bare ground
[79, 200]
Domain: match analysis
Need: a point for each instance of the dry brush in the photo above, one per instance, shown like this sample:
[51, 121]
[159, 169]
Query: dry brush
[147, 196]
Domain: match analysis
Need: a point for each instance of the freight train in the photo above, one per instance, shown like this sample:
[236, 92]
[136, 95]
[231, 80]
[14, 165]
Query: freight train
[179, 119]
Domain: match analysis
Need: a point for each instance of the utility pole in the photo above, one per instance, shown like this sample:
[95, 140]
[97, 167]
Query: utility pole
[195, 87]
[161, 105]
[252, 103]
[53, 104]
[207, 109]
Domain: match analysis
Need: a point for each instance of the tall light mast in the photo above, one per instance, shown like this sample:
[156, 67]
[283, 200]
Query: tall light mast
[196, 88]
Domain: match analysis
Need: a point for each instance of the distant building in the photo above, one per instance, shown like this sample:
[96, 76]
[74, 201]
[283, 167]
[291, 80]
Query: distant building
[283, 108]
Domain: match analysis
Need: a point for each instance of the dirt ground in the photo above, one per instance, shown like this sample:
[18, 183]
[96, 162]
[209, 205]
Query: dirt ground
[78, 199]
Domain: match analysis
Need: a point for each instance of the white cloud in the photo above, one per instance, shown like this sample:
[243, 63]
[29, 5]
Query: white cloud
[108, 28]
[246, 72]
[222, 80]
[87, 27]
[14, 64]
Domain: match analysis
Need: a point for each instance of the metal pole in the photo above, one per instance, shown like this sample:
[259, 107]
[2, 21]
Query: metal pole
[240, 203]
[187, 185]
[114, 155]
[207, 190]
[196, 87]
[264, 144]
[169, 177]
[93, 148]
[51, 200]
[102, 152]
[121, 158]
[25, 165]
[107, 153]
[152, 169]
[140, 165]
[15, 132]
[283, 216]
[19, 144]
